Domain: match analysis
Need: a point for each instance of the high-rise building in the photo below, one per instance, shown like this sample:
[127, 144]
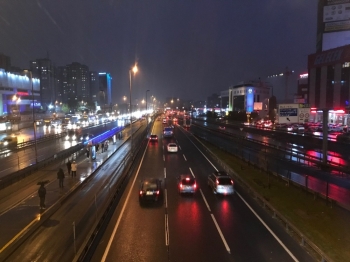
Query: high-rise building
[77, 88]
[5, 62]
[104, 97]
[333, 24]
[94, 86]
[45, 71]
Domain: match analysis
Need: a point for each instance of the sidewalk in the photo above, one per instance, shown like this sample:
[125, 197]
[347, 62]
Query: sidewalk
[19, 203]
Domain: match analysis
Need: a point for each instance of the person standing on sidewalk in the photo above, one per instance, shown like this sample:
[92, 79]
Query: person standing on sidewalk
[60, 176]
[42, 194]
[69, 167]
[103, 146]
[74, 169]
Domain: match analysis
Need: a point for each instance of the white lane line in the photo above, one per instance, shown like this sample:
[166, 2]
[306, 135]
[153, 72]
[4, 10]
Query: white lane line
[164, 172]
[272, 233]
[166, 198]
[123, 209]
[163, 157]
[221, 235]
[166, 230]
[184, 157]
[180, 147]
[191, 172]
[268, 228]
[205, 200]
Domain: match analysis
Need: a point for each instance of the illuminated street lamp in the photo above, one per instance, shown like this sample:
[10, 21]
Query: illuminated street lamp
[132, 70]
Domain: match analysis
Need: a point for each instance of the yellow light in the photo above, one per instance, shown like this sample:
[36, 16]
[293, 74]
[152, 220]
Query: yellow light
[135, 69]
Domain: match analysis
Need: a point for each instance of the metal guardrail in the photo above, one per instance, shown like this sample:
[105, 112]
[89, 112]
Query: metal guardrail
[289, 227]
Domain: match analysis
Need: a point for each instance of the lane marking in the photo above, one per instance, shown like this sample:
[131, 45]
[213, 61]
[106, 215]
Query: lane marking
[268, 228]
[184, 157]
[191, 172]
[179, 147]
[205, 200]
[221, 235]
[164, 172]
[163, 157]
[166, 199]
[252, 210]
[123, 209]
[166, 230]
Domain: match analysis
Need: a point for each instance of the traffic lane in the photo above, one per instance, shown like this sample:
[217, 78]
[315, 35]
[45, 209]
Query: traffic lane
[190, 222]
[140, 234]
[193, 235]
[54, 240]
[231, 214]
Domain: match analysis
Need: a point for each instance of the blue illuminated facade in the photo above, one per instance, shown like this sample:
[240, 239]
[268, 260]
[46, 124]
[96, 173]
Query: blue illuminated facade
[16, 92]
[244, 96]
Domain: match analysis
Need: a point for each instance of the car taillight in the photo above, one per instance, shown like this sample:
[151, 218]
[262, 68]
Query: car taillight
[180, 185]
[195, 185]
[187, 179]
[141, 192]
[157, 192]
[217, 181]
[232, 182]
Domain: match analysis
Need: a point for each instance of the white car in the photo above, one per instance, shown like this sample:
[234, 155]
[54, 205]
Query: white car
[172, 147]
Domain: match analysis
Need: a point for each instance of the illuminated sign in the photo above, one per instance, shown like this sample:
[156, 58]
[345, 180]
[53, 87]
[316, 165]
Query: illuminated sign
[22, 93]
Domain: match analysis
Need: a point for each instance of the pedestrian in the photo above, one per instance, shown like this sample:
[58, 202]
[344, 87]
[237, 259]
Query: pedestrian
[97, 145]
[74, 169]
[87, 152]
[102, 146]
[106, 145]
[60, 177]
[42, 194]
[69, 167]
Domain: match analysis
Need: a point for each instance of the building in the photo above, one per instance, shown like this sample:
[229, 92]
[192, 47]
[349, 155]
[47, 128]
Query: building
[44, 70]
[18, 94]
[94, 86]
[249, 96]
[5, 62]
[104, 97]
[333, 24]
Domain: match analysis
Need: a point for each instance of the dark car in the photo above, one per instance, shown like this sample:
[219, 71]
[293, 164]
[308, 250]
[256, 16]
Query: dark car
[86, 137]
[153, 138]
[186, 184]
[150, 190]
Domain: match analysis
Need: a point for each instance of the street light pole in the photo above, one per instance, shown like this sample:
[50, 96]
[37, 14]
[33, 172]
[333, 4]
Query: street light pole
[146, 111]
[34, 123]
[134, 69]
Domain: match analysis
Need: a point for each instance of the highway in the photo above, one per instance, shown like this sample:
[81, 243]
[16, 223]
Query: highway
[203, 227]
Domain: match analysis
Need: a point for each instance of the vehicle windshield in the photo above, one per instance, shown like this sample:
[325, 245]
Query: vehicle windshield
[189, 182]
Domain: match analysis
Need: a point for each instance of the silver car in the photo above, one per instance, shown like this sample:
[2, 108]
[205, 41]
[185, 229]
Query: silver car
[221, 183]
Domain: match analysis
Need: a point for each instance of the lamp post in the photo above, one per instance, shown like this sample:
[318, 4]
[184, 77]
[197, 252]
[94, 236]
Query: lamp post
[146, 111]
[134, 70]
[34, 123]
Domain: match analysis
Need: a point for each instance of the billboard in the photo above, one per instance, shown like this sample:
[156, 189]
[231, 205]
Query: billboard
[288, 113]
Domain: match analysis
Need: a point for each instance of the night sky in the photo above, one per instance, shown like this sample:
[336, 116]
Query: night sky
[185, 49]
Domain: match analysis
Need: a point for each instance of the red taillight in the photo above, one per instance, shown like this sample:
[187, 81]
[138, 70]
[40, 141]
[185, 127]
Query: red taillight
[157, 192]
[195, 185]
[217, 181]
[180, 185]
[232, 182]
[187, 178]
[141, 192]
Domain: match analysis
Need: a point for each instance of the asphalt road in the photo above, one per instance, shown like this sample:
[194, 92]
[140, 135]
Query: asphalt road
[203, 227]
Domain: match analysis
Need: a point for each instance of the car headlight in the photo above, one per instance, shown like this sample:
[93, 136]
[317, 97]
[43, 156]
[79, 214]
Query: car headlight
[67, 137]
[6, 143]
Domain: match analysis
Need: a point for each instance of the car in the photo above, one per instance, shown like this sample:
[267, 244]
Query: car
[186, 184]
[149, 190]
[153, 138]
[86, 137]
[172, 147]
[221, 183]
[71, 135]
[222, 127]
